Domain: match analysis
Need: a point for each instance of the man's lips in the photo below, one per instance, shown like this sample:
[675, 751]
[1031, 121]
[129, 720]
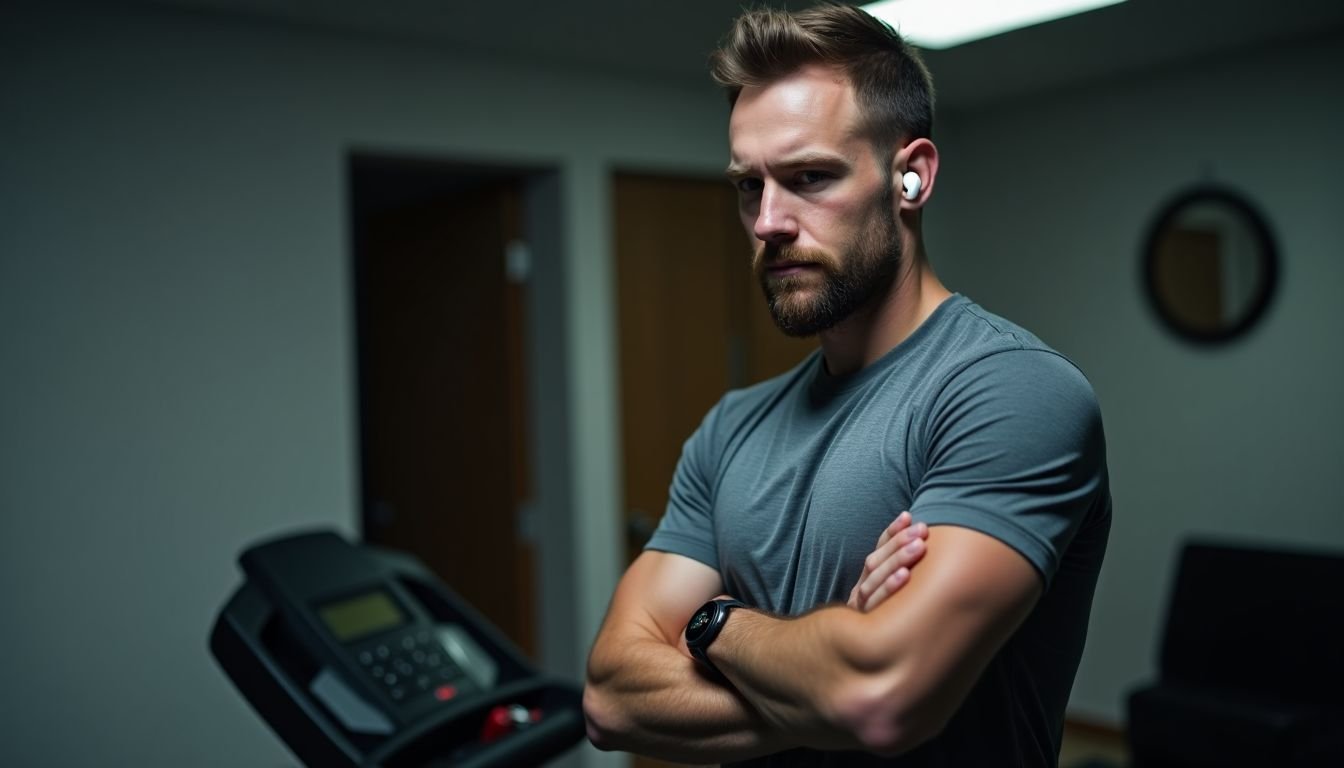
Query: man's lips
[784, 268]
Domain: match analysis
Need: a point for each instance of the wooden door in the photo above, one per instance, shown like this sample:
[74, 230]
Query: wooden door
[442, 435]
[692, 324]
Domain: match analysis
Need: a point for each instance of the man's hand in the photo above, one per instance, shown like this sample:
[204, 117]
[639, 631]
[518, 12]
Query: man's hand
[887, 569]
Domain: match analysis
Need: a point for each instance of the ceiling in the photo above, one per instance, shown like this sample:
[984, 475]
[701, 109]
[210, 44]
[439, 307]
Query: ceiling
[671, 39]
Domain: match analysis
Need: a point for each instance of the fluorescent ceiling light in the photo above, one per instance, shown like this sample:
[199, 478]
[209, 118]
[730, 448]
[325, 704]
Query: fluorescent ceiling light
[945, 23]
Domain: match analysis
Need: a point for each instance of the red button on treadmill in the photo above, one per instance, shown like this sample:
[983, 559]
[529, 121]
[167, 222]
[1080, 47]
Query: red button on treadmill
[497, 724]
[445, 692]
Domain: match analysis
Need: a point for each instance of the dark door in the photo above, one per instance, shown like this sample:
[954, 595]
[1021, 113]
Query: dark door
[442, 437]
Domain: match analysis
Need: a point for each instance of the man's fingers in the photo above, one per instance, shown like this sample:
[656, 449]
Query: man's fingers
[894, 545]
[893, 558]
[880, 556]
[887, 588]
[901, 522]
[916, 532]
[899, 547]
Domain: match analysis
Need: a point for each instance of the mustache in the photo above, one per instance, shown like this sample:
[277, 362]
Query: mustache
[770, 254]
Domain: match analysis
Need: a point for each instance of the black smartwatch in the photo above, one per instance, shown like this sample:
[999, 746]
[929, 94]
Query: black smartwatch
[705, 625]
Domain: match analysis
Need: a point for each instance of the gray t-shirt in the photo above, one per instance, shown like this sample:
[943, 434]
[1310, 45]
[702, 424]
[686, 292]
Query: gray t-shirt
[971, 421]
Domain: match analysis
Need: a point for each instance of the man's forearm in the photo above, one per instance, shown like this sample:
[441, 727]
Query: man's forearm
[646, 696]
[890, 679]
[800, 675]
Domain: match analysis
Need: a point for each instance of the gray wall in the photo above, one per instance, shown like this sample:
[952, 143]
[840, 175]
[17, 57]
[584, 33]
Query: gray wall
[1040, 213]
[176, 362]
[175, 324]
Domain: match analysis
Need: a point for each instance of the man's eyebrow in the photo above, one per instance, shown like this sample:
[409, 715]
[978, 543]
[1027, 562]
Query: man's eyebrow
[812, 157]
[735, 171]
[809, 157]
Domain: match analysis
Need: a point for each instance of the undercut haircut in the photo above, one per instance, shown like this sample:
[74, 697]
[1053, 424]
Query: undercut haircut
[892, 85]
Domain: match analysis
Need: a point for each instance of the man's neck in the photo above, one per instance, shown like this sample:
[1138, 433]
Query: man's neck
[862, 338]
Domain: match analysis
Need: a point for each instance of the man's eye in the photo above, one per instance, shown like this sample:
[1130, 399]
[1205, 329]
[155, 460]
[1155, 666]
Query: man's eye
[812, 177]
[749, 185]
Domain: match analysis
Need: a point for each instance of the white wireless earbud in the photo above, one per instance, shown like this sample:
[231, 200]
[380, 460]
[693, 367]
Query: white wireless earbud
[912, 183]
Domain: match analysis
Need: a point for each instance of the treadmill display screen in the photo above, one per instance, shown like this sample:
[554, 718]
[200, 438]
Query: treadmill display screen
[361, 615]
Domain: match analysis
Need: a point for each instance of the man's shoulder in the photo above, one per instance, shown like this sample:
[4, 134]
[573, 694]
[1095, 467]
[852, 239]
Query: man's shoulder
[980, 330]
[980, 343]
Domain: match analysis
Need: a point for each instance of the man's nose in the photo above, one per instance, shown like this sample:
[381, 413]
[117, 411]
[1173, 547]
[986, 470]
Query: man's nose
[775, 222]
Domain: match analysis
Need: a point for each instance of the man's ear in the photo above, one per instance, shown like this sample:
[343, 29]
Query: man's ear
[919, 157]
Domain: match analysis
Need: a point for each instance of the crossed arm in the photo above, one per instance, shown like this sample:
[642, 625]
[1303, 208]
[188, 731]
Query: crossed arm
[882, 679]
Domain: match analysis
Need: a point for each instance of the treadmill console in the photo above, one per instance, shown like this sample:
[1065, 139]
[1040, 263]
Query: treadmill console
[361, 657]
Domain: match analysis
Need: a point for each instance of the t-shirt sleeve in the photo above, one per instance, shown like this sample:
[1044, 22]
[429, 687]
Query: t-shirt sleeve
[1015, 450]
[687, 527]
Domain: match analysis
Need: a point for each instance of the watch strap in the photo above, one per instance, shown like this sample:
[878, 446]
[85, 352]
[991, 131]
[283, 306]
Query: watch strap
[718, 616]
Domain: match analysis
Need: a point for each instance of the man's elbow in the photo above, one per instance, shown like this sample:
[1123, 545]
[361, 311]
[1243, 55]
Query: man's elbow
[884, 718]
[601, 719]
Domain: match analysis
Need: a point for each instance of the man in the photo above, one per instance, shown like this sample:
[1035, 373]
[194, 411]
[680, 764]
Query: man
[918, 399]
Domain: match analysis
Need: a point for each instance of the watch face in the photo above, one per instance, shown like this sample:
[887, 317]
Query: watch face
[697, 624]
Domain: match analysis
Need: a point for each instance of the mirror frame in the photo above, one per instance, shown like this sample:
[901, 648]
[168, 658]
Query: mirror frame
[1268, 253]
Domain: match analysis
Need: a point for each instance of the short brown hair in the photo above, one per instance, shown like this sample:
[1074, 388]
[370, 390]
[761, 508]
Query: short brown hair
[891, 84]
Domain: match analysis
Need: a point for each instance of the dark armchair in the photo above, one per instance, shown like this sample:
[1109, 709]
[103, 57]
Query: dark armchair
[1251, 664]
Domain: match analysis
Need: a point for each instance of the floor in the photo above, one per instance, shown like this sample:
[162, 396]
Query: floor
[1091, 746]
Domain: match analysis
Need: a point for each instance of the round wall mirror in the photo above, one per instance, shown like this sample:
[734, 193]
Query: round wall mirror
[1210, 265]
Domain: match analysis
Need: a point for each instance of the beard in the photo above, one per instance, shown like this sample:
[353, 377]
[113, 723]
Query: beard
[865, 270]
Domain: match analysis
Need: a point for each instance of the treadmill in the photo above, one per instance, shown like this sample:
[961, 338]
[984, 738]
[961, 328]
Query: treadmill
[360, 657]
